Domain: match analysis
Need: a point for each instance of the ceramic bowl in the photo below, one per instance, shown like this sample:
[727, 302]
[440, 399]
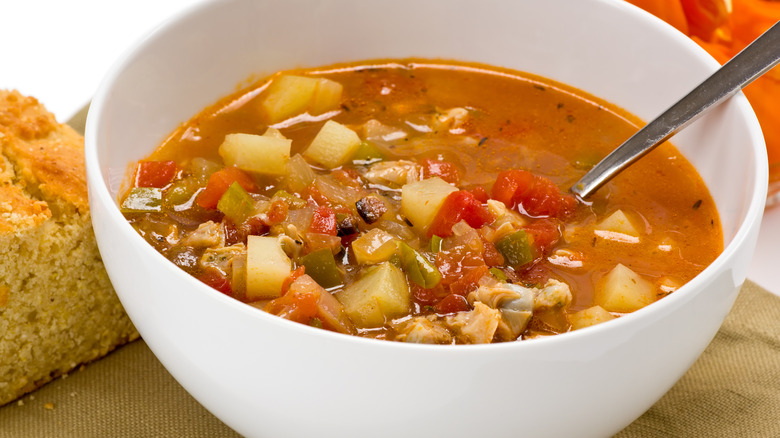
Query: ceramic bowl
[265, 376]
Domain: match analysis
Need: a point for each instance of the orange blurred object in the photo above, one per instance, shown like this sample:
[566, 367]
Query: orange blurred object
[723, 28]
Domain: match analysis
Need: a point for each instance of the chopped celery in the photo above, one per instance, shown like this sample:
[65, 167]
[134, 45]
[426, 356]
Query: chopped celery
[236, 203]
[516, 248]
[367, 153]
[321, 266]
[142, 200]
[417, 267]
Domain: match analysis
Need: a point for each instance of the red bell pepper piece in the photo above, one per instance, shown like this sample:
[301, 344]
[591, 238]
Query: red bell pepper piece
[458, 206]
[155, 173]
[219, 182]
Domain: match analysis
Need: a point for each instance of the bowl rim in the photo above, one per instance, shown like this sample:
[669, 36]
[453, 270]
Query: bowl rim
[97, 179]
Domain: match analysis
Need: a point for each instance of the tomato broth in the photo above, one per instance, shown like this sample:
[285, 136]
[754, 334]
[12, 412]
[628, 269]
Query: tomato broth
[422, 201]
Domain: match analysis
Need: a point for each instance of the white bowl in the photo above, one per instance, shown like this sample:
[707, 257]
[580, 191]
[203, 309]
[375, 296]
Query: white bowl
[265, 376]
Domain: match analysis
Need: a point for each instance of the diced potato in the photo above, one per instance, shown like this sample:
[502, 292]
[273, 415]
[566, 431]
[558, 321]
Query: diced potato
[588, 317]
[267, 266]
[623, 290]
[668, 285]
[266, 154]
[273, 132]
[421, 200]
[290, 95]
[375, 246]
[333, 145]
[618, 226]
[327, 96]
[378, 296]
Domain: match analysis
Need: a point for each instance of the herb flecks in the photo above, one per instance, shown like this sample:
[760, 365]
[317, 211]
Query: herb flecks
[696, 205]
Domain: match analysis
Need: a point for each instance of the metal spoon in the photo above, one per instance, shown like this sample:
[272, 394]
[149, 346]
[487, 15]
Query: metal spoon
[752, 62]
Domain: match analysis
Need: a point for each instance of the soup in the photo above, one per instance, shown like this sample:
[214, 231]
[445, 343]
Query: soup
[421, 201]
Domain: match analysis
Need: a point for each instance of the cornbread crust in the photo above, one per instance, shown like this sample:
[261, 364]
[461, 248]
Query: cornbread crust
[57, 307]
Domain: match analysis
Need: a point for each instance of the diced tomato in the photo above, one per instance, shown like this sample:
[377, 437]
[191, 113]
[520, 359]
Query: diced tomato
[510, 182]
[216, 280]
[292, 277]
[480, 193]
[155, 173]
[324, 221]
[427, 297]
[544, 198]
[458, 206]
[443, 169]
[536, 275]
[298, 304]
[277, 212]
[315, 197]
[348, 177]
[490, 254]
[537, 195]
[469, 281]
[219, 182]
[544, 233]
[453, 263]
[452, 303]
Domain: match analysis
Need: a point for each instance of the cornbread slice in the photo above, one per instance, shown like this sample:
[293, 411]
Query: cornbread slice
[57, 307]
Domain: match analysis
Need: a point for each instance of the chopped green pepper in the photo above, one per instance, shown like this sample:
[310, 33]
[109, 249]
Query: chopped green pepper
[417, 267]
[436, 243]
[321, 266]
[516, 248]
[292, 200]
[367, 153]
[499, 274]
[142, 200]
[236, 203]
[181, 193]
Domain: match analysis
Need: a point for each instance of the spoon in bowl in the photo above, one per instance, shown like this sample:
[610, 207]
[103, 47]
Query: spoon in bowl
[753, 61]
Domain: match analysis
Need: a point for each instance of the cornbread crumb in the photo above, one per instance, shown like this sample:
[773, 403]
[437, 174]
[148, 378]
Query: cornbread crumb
[49, 406]
[57, 307]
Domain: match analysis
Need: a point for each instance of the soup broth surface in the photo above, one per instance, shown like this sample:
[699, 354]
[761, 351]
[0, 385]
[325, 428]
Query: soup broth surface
[422, 201]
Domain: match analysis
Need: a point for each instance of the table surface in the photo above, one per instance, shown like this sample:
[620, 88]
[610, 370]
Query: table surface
[59, 52]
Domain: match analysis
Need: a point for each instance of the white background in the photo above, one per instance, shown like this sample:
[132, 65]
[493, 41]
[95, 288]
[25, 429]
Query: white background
[59, 51]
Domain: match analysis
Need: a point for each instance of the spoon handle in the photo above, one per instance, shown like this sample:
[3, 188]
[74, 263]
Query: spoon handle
[752, 62]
